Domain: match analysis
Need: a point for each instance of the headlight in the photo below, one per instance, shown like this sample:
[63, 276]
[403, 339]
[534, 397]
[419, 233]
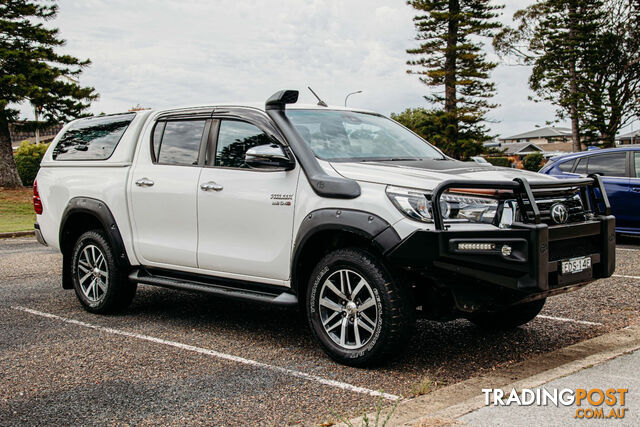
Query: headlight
[416, 204]
[470, 208]
[412, 203]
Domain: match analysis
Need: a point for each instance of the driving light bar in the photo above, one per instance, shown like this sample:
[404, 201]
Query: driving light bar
[474, 246]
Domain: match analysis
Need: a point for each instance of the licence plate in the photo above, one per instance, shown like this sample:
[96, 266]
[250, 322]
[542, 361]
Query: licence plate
[576, 265]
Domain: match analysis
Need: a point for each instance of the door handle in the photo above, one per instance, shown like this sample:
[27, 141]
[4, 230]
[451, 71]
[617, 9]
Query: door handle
[636, 189]
[144, 182]
[211, 186]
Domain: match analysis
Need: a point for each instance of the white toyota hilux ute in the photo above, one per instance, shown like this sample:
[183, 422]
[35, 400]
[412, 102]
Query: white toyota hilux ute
[343, 212]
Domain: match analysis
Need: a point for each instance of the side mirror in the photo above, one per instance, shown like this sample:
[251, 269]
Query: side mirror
[268, 156]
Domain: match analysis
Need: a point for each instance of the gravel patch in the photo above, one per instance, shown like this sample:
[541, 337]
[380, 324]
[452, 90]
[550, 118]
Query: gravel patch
[61, 368]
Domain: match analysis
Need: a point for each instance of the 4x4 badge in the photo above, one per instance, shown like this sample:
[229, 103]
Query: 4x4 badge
[281, 199]
[559, 213]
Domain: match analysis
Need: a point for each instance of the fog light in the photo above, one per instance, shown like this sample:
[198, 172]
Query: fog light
[506, 250]
[470, 246]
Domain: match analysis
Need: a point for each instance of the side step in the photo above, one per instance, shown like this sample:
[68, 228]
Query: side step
[214, 285]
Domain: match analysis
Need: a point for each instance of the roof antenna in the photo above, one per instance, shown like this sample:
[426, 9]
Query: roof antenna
[320, 101]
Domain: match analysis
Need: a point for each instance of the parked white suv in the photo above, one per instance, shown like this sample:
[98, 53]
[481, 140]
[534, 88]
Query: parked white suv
[343, 211]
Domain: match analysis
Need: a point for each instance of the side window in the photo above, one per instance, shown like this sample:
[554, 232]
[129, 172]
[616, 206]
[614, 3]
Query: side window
[157, 139]
[636, 162]
[566, 166]
[234, 139]
[582, 166]
[92, 139]
[178, 142]
[608, 164]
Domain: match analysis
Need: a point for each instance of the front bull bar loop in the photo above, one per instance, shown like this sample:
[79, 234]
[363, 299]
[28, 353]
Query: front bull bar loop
[523, 191]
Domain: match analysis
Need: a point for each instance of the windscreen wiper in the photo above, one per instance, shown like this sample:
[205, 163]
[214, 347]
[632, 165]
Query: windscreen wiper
[393, 159]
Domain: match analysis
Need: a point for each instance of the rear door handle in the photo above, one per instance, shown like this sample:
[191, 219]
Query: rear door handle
[211, 186]
[144, 182]
[636, 189]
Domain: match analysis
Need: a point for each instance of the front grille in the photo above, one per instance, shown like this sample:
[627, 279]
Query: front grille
[572, 248]
[573, 203]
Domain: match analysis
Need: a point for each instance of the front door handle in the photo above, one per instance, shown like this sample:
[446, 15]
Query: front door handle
[144, 182]
[211, 186]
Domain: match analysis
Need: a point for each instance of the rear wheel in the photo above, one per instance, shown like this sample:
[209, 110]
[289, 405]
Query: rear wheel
[356, 311]
[101, 284]
[510, 317]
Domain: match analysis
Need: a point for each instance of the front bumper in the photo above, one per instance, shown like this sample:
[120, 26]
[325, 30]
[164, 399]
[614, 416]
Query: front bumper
[531, 269]
[533, 266]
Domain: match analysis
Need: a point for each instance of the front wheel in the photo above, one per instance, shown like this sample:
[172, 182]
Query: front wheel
[510, 317]
[355, 309]
[100, 282]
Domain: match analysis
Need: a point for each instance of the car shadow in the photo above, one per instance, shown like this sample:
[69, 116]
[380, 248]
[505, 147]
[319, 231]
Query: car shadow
[628, 240]
[453, 350]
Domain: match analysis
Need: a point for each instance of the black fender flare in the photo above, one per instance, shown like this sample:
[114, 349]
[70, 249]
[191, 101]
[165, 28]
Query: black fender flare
[100, 211]
[364, 224]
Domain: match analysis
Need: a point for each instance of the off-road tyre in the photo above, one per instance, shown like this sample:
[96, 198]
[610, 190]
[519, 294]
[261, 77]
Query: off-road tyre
[394, 308]
[112, 291]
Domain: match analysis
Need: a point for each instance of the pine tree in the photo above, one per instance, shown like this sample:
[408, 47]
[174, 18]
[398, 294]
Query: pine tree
[31, 71]
[611, 85]
[450, 57]
[584, 55]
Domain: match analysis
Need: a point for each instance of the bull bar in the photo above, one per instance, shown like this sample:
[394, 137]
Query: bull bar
[532, 266]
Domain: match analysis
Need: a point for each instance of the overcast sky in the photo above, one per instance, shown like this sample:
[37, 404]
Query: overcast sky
[160, 53]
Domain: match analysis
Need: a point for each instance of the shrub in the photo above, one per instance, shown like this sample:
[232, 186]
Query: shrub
[533, 162]
[499, 161]
[28, 157]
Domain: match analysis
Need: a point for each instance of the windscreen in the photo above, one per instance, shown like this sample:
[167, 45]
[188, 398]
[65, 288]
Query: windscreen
[351, 136]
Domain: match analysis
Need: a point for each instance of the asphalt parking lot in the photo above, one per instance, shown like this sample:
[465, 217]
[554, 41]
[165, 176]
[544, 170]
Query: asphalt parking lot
[176, 357]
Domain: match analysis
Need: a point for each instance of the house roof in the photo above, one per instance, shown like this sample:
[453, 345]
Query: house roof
[492, 143]
[633, 134]
[545, 132]
[522, 148]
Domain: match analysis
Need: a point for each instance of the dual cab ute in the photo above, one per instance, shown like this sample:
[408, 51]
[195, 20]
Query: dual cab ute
[343, 212]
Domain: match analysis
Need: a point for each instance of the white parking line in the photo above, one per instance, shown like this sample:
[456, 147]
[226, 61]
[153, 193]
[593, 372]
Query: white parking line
[291, 372]
[564, 319]
[625, 276]
[628, 249]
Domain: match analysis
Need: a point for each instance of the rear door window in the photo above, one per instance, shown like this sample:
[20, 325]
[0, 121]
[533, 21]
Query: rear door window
[608, 164]
[178, 142]
[92, 139]
[582, 166]
[636, 163]
[566, 166]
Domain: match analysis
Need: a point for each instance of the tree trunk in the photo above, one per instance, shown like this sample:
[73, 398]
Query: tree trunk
[450, 57]
[575, 129]
[450, 101]
[608, 140]
[8, 172]
[573, 81]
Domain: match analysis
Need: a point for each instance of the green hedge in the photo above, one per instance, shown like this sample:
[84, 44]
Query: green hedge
[28, 157]
[533, 162]
[499, 161]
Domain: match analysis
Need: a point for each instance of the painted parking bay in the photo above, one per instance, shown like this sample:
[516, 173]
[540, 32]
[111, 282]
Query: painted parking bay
[121, 369]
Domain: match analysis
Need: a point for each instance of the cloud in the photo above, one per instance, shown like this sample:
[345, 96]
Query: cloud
[161, 53]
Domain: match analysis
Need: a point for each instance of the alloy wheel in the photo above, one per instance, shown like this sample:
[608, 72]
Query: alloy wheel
[348, 309]
[93, 273]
